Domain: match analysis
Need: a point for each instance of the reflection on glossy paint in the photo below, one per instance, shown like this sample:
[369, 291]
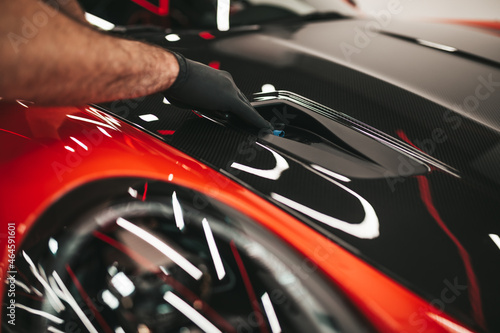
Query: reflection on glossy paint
[69, 149]
[214, 251]
[104, 117]
[367, 229]
[173, 255]
[122, 284]
[72, 302]
[53, 298]
[103, 131]
[273, 174]
[110, 299]
[436, 45]
[78, 142]
[133, 192]
[447, 324]
[330, 173]
[172, 37]
[178, 216]
[266, 88]
[496, 239]
[54, 330]
[223, 15]
[24, 103]
[99, 22]
[23, 286]
[190, 313]
[270, 313]
[148, 117]
[89, 121]
[164, 270]
[53, 245]
[44, 314]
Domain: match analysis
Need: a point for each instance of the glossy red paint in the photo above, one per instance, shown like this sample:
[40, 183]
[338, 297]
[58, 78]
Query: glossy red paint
[206, 35]
[214, 64]
[162, 9]
[37, 169]
[473, 23]
[166, 132]
[426, 197]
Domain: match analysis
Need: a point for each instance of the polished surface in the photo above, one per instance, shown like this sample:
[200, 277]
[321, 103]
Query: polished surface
[42, 171]
[436, 229]
[153, 256]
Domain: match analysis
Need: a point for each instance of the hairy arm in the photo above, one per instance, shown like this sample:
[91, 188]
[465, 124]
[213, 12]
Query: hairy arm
[51, 59]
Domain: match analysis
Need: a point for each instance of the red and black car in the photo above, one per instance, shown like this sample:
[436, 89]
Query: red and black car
[378, 210]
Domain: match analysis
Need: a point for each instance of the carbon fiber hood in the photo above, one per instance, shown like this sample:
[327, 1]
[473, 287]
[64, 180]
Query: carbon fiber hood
[391, 150]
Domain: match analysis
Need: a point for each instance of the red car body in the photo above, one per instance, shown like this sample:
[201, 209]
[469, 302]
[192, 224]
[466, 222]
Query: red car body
[52, 151]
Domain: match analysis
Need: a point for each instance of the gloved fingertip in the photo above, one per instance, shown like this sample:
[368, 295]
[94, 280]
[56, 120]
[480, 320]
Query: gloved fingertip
[279, 133]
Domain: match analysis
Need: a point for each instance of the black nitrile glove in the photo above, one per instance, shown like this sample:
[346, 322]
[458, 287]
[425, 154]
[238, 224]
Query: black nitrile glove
[212, 92]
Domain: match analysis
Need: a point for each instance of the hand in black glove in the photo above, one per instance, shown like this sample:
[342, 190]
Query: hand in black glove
[211, 91]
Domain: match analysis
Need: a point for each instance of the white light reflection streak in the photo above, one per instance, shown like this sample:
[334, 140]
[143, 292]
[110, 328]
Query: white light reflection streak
[21, 103]
[22, 285]
[190, 313]
[447, 324]
[122, 283]
[133, 193]
[54, 330]
[148, 117]
[53, 299]
[103, 131]
[367, 229]
[162, 247]
[78, 142]
[69, 148]
[38, 293]
[110, 299]
[271, 315]
[273, 174]
[496, 239]
[53, 285]
[267, 88]
[219, 267]
[172, 37]
[223, 15]
[164, 270]
[44, 314]
[436, 45]
[90, 121]
[53, 245]
[330, 173]
[179, 218]
[99, 22]
[71, 301]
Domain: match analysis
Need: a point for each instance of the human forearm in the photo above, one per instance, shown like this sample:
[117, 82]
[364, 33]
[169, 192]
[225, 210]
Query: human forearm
[42, 68]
